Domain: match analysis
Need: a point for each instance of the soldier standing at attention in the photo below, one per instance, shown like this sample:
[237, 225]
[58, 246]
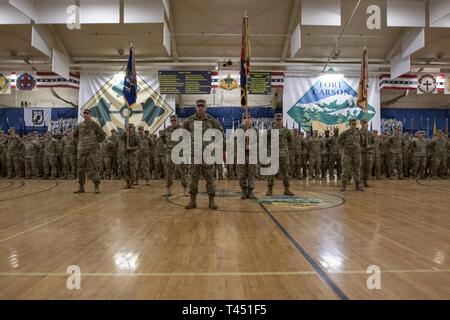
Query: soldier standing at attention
[367, 147]
[143, 155]
[160, 155]
[12, 157]
[314, 146]
[195, 170]
[419, 155]
[32, 148]
[350, 141]
[324, 154]
[247, 172]
[88, 134]
[171, 168]
[285, 138]
[438, 150]
[2, 154]
[395, 154]
[297, 155]
[130, 141]
[69, 156]
[111, 154]
[334, 155]
[304, 157]
[376, 155]
[151, 153]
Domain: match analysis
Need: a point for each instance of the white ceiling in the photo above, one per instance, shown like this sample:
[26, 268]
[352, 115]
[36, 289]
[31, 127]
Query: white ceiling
[210, 31]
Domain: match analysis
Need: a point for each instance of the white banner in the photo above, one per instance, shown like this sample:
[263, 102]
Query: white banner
[328, 101]
[37, 117]
[102, 94]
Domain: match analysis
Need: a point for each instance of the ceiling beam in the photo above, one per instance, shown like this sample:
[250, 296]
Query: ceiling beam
[171, 25]
[290, 27]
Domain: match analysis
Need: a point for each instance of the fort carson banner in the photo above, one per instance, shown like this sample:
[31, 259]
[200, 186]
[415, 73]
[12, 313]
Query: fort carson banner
[327, 101]
[102, 94]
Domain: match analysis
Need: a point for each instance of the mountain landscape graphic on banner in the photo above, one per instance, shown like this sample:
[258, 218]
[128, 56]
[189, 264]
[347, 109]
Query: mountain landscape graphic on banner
[328, 104]
[110, 110]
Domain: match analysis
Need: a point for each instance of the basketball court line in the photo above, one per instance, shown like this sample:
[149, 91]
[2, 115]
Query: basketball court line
[32, 193]
[11, 187]
[56, 219]
[211, 274]
[322, 274]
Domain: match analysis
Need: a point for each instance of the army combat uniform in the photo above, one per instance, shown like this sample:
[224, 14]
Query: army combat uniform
[171, 168]
[131, 142]
[88, 135]
[350, 142]
[284, 140]
[196, 170]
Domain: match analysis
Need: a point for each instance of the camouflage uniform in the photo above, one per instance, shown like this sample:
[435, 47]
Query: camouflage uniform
[314, 150]
[376, 167]
[350, 142]
[296, 155]
[419, 154]
[171, 168]
[143, 155]
[284, 140]
[32, 149]
[130, 148]
[334, 153]
[12, 155]
[438, 152]
[324, 154]
[304, 157]
[50, 157]
[101, 159]
[395, 155]
[196, 170]
[367, 147]
[160, 155]
[3, 146]
[111, 155]
[69, 147]
[247, 172]
[120, 148]
[88, 135]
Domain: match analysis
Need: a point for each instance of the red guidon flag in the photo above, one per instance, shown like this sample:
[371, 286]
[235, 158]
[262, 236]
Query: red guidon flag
[363, 87]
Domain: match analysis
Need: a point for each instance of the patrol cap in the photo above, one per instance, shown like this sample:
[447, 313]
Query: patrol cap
[352, 121]
[278, 116]
[173, 117]
[113, 130]
[201, 102]
[140, 128]
[315, 131]
[364, 121]
[246, 115]
[12, 129]
[86, 111]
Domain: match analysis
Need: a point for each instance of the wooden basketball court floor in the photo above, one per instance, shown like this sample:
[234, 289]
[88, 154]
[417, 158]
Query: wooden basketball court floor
[134, 244]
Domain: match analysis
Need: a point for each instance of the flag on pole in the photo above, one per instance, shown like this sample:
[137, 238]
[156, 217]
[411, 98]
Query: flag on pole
[362, 101]
[130, 82]
[446, 127]
[434, 128]
[245, 61]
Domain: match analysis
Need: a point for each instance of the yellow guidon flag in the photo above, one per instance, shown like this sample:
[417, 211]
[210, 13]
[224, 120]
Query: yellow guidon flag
[363, 87]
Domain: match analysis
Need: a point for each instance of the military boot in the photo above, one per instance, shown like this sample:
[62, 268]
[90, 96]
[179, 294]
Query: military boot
[185, 192]
[80, 188]
[244, 193]
[269, 191]
[193, 203]
[366, 184]
[288, 192]
[344, 186]
[168, 192]
[358, 186]
[212, 204]
[97, 188]
[250, 194]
